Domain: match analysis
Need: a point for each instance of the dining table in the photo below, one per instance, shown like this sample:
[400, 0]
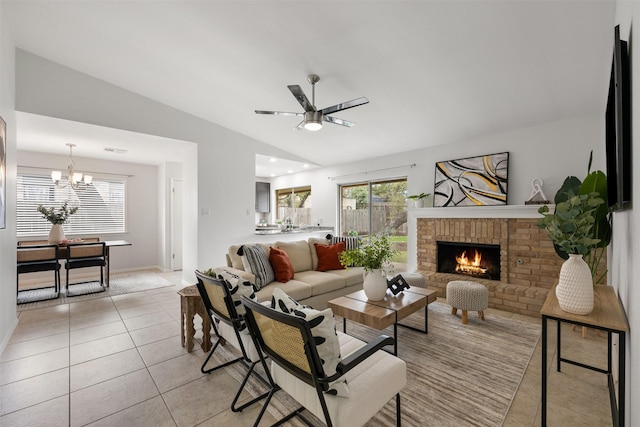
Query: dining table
[62, 250]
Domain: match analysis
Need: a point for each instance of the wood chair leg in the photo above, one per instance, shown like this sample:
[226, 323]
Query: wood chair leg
[465, 317]
[454, 311]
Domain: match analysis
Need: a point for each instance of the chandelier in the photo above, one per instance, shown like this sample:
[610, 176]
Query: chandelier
[74, 179]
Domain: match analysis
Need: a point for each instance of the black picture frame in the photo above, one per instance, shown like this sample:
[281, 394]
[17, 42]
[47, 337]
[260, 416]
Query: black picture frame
[472, 181]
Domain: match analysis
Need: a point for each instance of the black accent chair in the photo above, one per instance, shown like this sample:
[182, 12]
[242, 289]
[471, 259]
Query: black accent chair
[227, 324]
[374, 375]
[35, 258]
[86, 255]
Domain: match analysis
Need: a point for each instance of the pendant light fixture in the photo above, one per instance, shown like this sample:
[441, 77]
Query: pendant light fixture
[74, 179]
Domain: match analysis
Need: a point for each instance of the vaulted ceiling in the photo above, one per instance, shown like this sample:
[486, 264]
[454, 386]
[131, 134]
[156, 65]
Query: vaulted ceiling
[435, 72]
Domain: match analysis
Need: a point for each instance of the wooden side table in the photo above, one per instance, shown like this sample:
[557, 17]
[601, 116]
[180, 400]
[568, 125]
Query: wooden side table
[190, 305]
[608, 315]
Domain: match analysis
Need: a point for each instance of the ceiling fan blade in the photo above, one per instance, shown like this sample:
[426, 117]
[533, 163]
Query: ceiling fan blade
[278, 113]
[345, 105]
[338, 121]
[298, 93]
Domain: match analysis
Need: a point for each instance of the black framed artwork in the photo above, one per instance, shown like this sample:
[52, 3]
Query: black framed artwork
[472, 181]
[3, 172]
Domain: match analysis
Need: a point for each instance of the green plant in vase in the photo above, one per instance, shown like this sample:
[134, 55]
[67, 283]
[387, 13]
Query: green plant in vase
[579, 228]
[375, 256]
[57, 217]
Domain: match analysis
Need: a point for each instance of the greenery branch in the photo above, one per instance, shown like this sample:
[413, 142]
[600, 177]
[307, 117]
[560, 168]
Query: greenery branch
[61, 216]
[592, 205]
[375, 254]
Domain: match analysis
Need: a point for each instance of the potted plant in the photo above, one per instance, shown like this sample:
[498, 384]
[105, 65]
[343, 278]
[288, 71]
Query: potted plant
[580, 230]
[418, 199]
[375, 256]
[57, 218]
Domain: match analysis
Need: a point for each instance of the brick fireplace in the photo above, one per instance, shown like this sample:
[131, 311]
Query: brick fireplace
[528, 264]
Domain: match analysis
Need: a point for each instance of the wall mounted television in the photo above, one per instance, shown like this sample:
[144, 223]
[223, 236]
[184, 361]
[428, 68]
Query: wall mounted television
[618, 127]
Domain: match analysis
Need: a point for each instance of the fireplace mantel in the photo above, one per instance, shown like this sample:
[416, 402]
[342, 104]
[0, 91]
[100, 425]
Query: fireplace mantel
[508, 211]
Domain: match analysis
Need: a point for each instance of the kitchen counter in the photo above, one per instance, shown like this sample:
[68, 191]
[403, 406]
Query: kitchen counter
[303, 230]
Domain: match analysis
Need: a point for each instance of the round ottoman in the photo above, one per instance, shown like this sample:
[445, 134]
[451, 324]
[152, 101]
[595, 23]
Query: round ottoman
[467, 296]
[414, 279]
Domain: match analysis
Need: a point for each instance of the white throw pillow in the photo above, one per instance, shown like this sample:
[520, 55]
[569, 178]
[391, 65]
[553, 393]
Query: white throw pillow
[237, 288]
[323, 329]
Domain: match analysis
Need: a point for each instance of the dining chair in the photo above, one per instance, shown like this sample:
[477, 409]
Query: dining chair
[86, 255]
[35, 258]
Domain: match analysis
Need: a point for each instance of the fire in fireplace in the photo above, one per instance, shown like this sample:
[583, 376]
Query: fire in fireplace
[469, 259]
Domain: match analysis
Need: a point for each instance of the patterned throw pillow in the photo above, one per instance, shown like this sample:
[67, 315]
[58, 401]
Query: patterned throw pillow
[237, 288]
[350, 242]
[258, 261]
[323, 330]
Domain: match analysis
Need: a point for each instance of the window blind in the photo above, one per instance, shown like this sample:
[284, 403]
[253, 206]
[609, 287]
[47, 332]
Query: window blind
[101, 206]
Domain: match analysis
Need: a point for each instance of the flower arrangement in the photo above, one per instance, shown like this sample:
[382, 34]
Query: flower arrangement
[375, 254]
[60, 217]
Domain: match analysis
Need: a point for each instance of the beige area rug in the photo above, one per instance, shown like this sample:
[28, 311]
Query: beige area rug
[457, 375]
[120, 283]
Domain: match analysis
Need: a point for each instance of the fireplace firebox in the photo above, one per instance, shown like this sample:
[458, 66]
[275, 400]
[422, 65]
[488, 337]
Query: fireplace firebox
[469, 259]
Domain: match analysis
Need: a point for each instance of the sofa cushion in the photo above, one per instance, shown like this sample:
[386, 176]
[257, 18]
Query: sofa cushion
[329, 256]
[299, 254]
[321, 282]
[295, 288]
[258, 262]
[352, 275]
[281, 264]
[323, 329]
[312, 247]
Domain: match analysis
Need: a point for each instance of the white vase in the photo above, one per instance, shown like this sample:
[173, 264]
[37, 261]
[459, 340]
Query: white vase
[375, 285]
[575, 286]
[419, 203]
[56, 235]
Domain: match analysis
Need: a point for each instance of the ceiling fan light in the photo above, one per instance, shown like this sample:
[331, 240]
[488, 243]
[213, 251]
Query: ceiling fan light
[313, 120]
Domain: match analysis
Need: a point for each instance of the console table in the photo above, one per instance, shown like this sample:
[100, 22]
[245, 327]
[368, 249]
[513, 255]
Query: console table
[607, 315]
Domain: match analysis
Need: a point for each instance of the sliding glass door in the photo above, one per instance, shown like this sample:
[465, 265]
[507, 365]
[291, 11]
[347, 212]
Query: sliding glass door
[376, 207]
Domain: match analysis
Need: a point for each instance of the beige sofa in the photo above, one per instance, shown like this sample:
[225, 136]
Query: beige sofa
[308, 286]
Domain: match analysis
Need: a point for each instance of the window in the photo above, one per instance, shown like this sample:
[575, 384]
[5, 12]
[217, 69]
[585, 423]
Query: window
[294, 203]
[376, 207]
[102, 206]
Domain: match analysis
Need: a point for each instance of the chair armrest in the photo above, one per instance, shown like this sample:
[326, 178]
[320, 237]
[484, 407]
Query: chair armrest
[355, 358]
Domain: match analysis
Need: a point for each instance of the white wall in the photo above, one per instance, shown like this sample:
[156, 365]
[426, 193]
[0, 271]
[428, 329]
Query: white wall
[219, 178]
[625, 248]
[551, 152]
[143, 218]
[8, 319]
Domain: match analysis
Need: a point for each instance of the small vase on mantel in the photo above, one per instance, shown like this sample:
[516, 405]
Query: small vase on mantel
[375, 285]
[575, 286]
[56, 235]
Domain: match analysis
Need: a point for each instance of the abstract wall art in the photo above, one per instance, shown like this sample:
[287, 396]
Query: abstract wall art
[472, 181]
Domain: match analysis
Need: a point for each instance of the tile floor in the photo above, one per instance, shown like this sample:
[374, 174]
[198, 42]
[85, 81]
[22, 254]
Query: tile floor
[117, 361]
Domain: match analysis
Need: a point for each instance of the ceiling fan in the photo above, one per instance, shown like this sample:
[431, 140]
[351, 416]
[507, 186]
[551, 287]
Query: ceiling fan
[313, 117]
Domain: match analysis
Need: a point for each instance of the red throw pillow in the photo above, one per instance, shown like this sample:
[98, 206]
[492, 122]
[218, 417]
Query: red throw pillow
[328, 256]
[281, 265]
